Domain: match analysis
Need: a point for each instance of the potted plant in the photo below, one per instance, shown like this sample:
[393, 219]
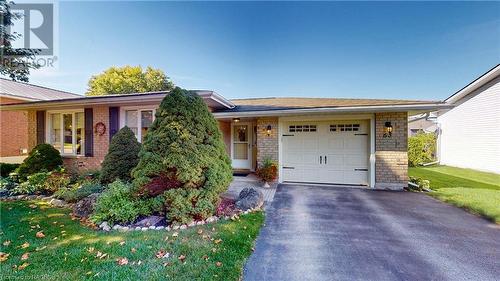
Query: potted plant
[268, 171]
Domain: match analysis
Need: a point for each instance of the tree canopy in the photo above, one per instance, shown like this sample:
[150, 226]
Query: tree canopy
[128, 79]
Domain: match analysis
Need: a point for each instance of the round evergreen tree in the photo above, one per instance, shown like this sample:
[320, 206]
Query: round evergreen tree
[122, 157]
[183, 158]
[42, 158]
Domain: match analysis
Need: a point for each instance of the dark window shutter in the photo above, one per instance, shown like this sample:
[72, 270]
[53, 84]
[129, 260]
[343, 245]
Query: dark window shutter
[114, 117]
[89, 132]
[40, 127]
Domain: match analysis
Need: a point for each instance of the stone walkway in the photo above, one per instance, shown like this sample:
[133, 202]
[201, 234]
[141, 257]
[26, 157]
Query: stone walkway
[240, 182]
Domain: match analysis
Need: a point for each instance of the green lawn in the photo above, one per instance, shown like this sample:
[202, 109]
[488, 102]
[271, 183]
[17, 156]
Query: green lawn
[70, 251]
[478, 192]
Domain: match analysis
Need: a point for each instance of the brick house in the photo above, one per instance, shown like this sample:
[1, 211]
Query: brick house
[314, 140]
[14, 124]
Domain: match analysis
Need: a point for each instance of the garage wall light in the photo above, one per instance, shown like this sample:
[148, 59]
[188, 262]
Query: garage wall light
[236, 120]
[388, 129]
[268, 130]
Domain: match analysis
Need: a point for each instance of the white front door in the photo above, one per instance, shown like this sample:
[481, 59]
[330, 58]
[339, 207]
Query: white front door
[241, 145]
[326, 152]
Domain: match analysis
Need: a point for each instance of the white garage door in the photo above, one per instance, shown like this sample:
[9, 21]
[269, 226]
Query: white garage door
[326, 152]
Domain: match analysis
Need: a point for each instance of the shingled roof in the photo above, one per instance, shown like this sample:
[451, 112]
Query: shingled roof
[278, 103]
[30, 92]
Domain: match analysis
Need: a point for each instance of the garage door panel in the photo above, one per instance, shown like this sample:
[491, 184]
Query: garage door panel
[355, 142]
[356, 177]
[358, 161]
[335, 161]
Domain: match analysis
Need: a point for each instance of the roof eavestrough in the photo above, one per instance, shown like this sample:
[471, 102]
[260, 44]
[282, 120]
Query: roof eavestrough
[325, 110]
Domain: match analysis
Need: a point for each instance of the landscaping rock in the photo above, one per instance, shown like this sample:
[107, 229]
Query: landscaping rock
[105, 226]
[4, 193]
[31, 197]
[125, 228]
[138, 228]
[150, 221]
[249, 198]
[144, 228]
[57, 203]
[160, 227]
[116, 227]
[85, 207]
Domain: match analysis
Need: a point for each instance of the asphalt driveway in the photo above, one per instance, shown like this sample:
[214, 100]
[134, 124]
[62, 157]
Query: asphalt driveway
[339, 233]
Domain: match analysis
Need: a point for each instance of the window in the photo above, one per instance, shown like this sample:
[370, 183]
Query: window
[344, 128]
[302, 128]
[66, 132]
[139, 121]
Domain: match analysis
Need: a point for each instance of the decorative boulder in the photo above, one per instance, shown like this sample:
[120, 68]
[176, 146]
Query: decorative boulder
[85, 207]
[150, 221]
[249, 198]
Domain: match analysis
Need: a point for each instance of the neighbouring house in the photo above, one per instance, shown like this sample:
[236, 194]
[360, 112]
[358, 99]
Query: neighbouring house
[314, 140]
[14, 124]
[422, 123]
[469, 132]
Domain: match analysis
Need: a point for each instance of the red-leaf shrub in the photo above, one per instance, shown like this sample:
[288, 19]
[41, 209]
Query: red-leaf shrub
[226, 207]
[160, 184]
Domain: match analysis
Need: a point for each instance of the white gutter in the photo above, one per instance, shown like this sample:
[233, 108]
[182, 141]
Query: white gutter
[357, 109]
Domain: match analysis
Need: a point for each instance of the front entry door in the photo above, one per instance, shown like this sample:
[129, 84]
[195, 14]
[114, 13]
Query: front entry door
[241, 148]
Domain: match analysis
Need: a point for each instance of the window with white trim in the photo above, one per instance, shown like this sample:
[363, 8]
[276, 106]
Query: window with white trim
[139, 121]
[66, 132]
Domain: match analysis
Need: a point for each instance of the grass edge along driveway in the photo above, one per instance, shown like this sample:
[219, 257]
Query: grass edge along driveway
[70, 251]
[477, 192]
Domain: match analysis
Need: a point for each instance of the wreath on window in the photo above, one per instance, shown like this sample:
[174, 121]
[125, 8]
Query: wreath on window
[100, 128]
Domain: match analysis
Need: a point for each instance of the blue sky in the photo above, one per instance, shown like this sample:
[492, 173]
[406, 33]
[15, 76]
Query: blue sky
[411, 50]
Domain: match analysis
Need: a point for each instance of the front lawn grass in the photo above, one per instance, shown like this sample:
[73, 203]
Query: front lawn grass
[70, 251]
[478, 192]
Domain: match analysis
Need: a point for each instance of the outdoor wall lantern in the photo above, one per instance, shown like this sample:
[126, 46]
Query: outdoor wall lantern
[268, 130]
[236, 120]
[388, 130]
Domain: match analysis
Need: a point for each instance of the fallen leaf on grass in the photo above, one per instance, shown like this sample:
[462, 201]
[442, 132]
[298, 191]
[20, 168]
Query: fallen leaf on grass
[181, 258]
[23, 266]
[6, 243]
[25, 245]
[39, 234]
[4, 256]
[205, 257]
[162, 254]
[122, 243]
[218, 264]
[33, 206]
[122, 261]
[200, 231]
[25, 256]
[133, 250]
[90, 249]
[175, 234]
[101, 255]
[167, 264]
[214, 250]
[40, 248]
[217, 241]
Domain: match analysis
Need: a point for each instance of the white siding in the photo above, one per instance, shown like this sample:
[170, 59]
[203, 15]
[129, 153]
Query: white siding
[470, 132]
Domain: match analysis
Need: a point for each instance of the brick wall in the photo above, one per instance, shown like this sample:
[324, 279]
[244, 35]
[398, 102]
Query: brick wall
[391, 164]
[267, 146]
[101, 144]
[14, 130]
